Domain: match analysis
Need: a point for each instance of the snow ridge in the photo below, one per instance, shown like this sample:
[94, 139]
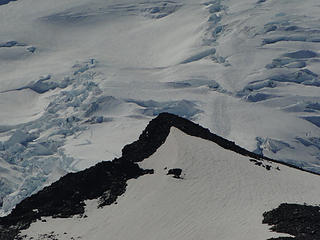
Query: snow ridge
[106, 180]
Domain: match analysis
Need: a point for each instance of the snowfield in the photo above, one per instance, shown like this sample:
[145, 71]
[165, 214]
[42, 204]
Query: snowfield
[79, 79]
[220, 195]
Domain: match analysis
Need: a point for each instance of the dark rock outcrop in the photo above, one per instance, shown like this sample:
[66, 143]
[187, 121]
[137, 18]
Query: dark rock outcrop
[158, 129]
[176, 172]
[301, 221]
[65, 197]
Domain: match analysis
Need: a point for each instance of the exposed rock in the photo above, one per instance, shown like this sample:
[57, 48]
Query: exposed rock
[107, 180]
[301, 221]
[176, 172]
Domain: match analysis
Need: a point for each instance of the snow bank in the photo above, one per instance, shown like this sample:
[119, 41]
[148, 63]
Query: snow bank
[219, 194]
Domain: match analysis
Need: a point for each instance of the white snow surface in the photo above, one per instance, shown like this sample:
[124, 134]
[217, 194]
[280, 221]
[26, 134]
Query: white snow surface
[79, 79]
[221, 195]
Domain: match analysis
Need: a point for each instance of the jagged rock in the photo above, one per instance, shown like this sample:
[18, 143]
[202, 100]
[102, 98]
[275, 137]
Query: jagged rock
[176, 172]
[301, 221]
[106, 180]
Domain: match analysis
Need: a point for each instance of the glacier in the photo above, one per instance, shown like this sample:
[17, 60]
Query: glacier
[80, 79]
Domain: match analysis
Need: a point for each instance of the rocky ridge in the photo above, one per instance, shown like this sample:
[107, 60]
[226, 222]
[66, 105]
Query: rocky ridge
[108, 179]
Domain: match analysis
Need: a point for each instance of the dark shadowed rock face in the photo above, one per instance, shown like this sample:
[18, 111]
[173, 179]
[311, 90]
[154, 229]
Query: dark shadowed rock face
[301, 221]
[106, 180]
[158, 129]
[65, 197]
[176, 172]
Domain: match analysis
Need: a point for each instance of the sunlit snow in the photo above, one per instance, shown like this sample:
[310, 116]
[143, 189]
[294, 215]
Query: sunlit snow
[80, 79]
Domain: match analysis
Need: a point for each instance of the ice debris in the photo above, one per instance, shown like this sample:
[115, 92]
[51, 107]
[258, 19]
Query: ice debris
[183, 108]
[269, 144]
[34, 149]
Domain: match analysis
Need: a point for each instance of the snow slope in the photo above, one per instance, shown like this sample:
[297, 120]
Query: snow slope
[220, 195]
[80, 79]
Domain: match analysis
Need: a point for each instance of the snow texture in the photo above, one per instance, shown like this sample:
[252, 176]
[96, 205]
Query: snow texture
[82, 78]
[218, 194]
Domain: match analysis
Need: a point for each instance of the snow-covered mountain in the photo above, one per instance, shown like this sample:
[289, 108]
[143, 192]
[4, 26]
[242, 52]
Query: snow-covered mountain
[178, 181]
[79, 79]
